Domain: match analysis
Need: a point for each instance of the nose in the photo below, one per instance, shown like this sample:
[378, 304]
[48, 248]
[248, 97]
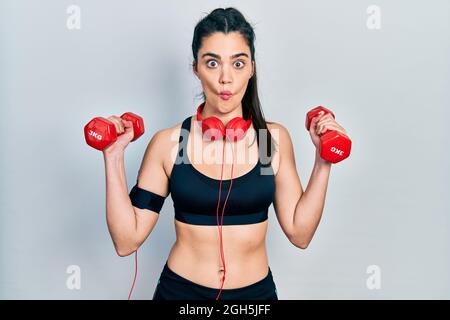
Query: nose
[225, 76]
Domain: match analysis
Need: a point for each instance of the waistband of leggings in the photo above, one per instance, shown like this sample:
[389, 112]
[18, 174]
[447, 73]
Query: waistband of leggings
[167, 272]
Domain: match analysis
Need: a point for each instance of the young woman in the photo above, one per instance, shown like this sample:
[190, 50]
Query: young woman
[220, 247]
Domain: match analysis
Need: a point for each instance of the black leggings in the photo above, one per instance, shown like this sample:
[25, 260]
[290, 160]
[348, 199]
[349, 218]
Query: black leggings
[172, 286]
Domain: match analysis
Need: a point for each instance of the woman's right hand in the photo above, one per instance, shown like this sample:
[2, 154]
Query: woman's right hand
[125, 134]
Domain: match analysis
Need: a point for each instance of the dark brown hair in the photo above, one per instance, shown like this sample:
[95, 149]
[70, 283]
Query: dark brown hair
[231, 20]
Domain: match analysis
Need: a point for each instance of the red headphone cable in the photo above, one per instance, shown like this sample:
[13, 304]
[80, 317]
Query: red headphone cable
[223, 210]
[135, 274]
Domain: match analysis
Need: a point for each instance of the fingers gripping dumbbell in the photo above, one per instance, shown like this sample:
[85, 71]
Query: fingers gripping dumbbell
[101, 133]
[334, 146]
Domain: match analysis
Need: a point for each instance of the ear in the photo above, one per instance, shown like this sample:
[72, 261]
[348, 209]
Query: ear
[253, 69]
[194, 68]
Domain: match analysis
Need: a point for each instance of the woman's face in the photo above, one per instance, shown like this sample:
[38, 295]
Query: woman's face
[224, 63]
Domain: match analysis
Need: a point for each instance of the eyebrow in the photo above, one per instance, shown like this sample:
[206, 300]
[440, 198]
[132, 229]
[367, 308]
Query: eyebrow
[218, 57]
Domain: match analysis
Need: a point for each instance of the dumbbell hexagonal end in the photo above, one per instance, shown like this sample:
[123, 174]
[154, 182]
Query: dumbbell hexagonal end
[335, 146]
[99, 133]
[314, 112]
[138, 124]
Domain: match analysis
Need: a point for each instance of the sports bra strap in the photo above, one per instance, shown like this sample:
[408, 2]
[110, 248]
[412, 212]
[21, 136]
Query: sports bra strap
[184, 135]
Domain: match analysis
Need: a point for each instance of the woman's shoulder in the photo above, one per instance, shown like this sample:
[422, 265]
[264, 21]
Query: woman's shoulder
[271, 125]
[162, 146]
[167, 135]
[166, 139]
[277, 130]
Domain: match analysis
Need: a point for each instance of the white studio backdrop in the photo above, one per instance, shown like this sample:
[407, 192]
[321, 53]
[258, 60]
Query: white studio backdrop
[382, 67]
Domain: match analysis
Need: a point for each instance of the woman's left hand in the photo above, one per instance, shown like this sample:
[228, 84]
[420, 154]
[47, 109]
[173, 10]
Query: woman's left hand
[321, 124]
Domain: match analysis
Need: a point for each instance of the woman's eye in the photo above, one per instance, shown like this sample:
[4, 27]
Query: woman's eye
[209, 64]
[240, 63]
[213, 63]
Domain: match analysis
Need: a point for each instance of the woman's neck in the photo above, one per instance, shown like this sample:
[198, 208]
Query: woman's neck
[209, 111]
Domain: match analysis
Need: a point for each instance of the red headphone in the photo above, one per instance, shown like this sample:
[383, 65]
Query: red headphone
[213, 129]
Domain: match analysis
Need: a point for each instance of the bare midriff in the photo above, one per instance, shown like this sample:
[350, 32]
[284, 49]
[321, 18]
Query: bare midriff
[196, 254]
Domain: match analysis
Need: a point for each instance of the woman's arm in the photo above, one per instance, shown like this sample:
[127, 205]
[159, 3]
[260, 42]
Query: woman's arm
[299, 212]
[309, 208]
[129, 226]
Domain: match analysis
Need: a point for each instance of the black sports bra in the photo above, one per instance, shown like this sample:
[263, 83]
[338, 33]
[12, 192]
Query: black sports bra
[195, 195]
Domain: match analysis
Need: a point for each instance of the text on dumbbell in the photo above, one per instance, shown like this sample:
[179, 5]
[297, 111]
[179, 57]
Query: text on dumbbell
[95, 135]
[337, 151]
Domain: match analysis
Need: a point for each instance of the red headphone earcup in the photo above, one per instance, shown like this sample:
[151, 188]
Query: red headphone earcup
[213, 129]
[236, 129]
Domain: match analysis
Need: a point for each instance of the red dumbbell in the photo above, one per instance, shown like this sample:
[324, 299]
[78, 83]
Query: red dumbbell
[334, 146]
[100, 133]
